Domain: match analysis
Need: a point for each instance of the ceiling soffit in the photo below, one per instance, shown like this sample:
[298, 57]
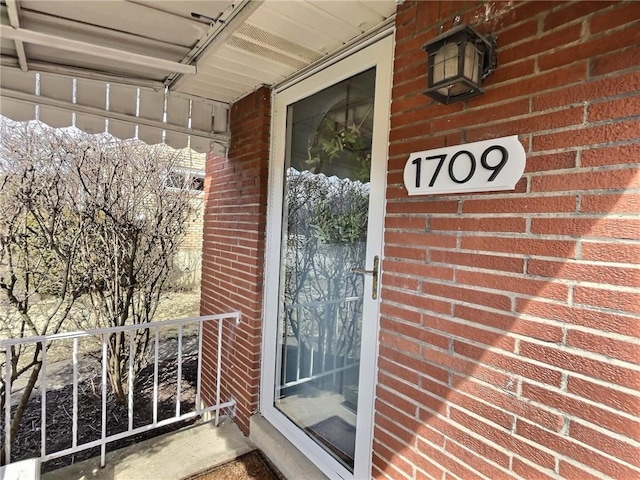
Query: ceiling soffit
[162, 71]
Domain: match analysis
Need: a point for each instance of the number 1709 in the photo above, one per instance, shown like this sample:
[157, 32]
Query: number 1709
[494, 168]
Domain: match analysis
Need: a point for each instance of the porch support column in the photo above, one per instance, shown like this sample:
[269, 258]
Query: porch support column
[233, 253]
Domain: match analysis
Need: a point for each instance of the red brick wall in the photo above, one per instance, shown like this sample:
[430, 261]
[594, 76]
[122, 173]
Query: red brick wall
[233, 251]
[511, 320]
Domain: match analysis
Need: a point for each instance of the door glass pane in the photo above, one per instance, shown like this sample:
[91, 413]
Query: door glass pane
[324, 237]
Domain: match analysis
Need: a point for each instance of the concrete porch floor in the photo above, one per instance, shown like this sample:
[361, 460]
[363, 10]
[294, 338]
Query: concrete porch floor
[172, 456]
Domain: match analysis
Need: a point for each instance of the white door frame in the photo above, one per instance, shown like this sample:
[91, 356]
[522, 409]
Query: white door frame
[379, 55]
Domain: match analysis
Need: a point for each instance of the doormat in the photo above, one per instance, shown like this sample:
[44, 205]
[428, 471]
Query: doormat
[250, 466]
[337, 435]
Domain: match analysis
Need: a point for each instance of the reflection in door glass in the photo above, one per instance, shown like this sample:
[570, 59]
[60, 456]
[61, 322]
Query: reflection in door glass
[325, 216]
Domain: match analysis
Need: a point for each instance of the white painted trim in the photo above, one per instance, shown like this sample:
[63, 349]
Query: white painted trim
[380, 55]
[383, 30]
[382, 124]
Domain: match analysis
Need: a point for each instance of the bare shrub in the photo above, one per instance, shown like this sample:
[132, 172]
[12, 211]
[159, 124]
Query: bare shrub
[83, 217]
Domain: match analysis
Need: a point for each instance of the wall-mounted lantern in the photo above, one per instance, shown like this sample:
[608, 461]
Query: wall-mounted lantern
[458, 61]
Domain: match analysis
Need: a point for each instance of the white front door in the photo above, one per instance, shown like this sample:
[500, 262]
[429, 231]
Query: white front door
[326, 210]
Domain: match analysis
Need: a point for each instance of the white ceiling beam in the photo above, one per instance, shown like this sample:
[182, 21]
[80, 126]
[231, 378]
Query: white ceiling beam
[13, 10]
[62, 43]
[77, 72]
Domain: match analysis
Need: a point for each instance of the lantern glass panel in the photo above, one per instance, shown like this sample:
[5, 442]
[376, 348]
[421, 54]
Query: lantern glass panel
[472, 63]
[445, 63]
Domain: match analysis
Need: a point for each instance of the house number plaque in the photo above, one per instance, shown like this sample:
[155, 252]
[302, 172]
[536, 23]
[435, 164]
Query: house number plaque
[489, 165]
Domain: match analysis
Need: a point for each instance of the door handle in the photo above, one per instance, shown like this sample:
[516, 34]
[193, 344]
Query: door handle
[374, 272]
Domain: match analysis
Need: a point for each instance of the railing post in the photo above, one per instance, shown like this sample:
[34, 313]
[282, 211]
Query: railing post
[219, 372]
[74, 426]
[155, 375]
[43, 401]
[179, 380]
[103, 435]
[7, 407]
[199, 377]
[130, 381]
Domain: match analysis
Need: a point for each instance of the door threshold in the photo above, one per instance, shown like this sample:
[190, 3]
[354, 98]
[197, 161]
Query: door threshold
[290, 461]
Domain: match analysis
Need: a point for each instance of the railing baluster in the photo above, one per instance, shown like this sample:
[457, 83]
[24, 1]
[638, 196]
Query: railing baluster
[179, 382]
[324, 345]
[7, 407]
[285, 348]
[355, 334]
[75, 394]
[299, 342]
[103, 435]
[155, 376]
[311, 344]
[43, 401]
[337, 335]
[199, 377]
[130, 381]
[219, 371]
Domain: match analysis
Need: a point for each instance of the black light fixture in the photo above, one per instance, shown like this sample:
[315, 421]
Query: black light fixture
[458, 61]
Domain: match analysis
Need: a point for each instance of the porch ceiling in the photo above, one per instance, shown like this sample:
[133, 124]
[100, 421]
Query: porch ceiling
[154, 66]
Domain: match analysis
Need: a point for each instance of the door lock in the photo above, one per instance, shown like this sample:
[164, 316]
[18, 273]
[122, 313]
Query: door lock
[374, 272]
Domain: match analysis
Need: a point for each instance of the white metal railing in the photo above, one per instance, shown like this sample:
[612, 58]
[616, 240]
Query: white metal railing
[103, 336]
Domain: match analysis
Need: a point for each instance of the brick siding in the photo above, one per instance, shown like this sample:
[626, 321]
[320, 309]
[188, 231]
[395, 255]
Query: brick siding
[510, 321]
[233, 251]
